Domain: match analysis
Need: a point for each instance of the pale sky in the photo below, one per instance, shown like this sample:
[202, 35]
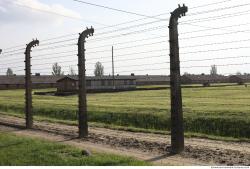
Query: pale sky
[140, 47]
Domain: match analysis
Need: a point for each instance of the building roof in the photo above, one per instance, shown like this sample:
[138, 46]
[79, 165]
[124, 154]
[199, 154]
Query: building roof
[152, 78]
[45, 79]
[205, 77]
[244, 77]
[75, 78]
[19, 79]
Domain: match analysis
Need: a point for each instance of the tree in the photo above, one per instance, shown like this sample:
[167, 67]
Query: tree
[9, 72]
[238, 73]
[99, 69]
[72, 71]
[57, 70]
[213, 70]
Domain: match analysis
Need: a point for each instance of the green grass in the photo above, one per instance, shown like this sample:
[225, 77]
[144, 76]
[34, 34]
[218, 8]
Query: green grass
[219, 111]
[20, 151]
[130, 128]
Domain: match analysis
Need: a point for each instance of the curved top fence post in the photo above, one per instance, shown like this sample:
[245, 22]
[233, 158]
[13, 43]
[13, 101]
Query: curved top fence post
[82, 98]
[28, 84]
[177, 130]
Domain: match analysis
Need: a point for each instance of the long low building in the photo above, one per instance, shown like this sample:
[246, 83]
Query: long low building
[106, 82]
[240, 79]
[70, 83]
[143, 80]
[18, 82]
[206, 80]
[66, 82]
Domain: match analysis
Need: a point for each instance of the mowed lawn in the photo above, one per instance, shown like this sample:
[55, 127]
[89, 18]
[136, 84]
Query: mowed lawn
[204, 108]
[24, 151]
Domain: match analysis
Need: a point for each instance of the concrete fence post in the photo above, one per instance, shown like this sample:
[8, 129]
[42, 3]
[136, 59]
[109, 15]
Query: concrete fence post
[82, 96]
[28, 85]
[177, 130]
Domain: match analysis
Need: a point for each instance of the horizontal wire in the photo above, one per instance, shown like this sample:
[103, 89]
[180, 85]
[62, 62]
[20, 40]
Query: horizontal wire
[55, 47]
[218, 9]
[235, 64]
[117, 61]
[49, 54]
[215, 50]
[130, 33]
[140, 70]
[139, 31]
[60, 37]
[129, 27]
[72, 34]
[10, 63]
[139, 40]
[51, 63]
[69, 61]
[61, 56]
[218, 58]
[212, 28]
[139, 65]
[115, 9]
[157, 37]
[134, 53]
[206, 5]
[75, 39]
[223, 65]
[18, 53]
[52, 43]
[99, 51]
[216, 34]
[149, 38]
[111, 26]
[215, 17]
[145, 44]
[128, 47]
[15, 67]
[215, 43]
[132, 59]
[152, 44]
[3, 53]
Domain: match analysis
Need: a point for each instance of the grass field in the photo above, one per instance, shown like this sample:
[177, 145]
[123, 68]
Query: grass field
[222, 111]
[20, 151]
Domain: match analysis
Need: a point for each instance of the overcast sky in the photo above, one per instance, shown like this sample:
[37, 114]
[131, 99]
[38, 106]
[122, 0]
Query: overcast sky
[140, 49]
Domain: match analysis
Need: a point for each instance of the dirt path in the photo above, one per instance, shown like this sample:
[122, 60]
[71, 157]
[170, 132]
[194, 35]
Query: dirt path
[144, 146]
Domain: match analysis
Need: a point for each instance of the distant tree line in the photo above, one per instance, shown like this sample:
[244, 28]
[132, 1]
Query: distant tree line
[57, 70]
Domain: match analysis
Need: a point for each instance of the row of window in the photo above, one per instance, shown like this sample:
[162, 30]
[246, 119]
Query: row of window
[110, 82]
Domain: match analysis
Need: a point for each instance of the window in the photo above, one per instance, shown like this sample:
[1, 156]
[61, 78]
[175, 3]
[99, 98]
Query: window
[88, 83]
[131, 82]
[125, 82]
[103, 82]
[110, 82]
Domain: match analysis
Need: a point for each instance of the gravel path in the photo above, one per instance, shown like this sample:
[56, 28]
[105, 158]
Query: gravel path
[144, 146]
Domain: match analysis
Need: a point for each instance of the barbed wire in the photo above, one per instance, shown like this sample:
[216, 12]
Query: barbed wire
[136, 20]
